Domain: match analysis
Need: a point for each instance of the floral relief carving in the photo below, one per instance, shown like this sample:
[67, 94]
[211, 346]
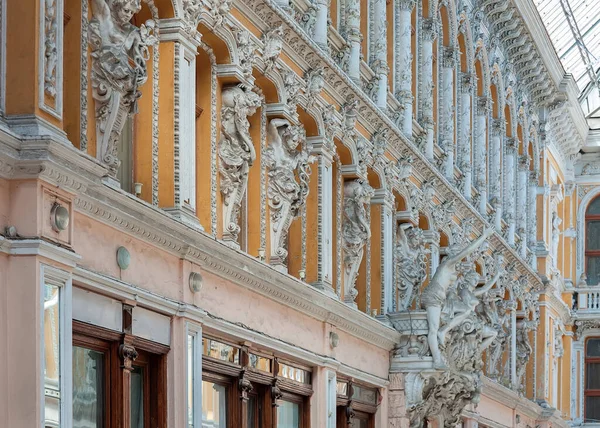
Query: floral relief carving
[50, 47]
[236, 152]
[288, 170]
[119, 52]
[273, 44]
[356, 231]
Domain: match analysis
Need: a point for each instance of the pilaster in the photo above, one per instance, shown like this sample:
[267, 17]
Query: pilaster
[404, 59]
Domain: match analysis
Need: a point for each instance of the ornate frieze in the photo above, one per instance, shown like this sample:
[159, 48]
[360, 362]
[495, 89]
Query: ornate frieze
[119, 52]
[236, 153]
[287, 194]
[356, 231]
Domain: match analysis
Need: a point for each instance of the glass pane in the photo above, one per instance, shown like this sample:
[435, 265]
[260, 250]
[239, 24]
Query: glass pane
[592, 270]
[342, 389]
[88, 388]
[593, 348]
[252, 411]
[288, 415]
[363, 394]
[594, 207]
[592, 409]
[51, 355]
[220, 351]
[592, 376]
[214, 405]
[190, 379]
[592, 236]
[260, 363]
[294, 373]
[137, 397]
[359, 422]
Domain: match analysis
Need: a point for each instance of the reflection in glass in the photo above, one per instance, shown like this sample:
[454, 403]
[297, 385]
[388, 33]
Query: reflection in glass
[51, 356]
[137, 397]
[190, 379]
[593, 270]
[88, 388]
[342, 389]
[592, 409]
[220, 351]
[593, 348]
[214, 405]
[592, 376]
[359, 422]
[260, 363]
[288, 415]
[363, 394]
[592, 238]
[294, 373]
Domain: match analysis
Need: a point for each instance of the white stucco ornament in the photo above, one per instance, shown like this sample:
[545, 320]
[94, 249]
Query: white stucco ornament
[119, 52]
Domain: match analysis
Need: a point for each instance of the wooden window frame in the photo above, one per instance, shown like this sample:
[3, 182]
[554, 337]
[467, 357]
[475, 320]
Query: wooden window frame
[588, 392]
[268, 388]
[587, 252]
[150, 355]
[348, 407]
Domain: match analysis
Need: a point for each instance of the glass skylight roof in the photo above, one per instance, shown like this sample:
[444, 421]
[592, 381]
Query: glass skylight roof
[586, 14]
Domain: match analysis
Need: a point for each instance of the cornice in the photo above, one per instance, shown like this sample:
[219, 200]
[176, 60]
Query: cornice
[38, 247]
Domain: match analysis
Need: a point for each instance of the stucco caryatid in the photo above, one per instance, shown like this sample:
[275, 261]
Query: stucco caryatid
[356, 231]
[236, 153]
[411, 264]
[287, 194]
[119, 52]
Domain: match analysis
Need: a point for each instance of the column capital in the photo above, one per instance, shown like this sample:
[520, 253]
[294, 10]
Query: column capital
[406, 4]
[534, 177]
[512, 145]
[498, 127]
[449, 57]
[467, 82]
[523, 163]
[429, 27]
[484, 106]
[178, 30]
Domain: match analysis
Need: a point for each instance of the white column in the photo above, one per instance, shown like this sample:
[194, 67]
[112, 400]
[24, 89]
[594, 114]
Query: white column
[447, 110]
[495, 159]
[404, 58]
[522, 180]
[509, 187]
[185, 115]
[379, 51]
[464, 135]
[532, 216]
[324, 212]
[386, 200]
[321, 24]
[513, 344]
[354, 38]
[429, 33]
[479, 152]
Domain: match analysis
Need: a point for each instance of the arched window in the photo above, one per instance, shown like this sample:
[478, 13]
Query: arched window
[592, 242]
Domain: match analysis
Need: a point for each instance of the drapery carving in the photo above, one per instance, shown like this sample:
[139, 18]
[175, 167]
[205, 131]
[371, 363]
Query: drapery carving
[236, 153]
[287, 194]
[119, 52]
[356, 230]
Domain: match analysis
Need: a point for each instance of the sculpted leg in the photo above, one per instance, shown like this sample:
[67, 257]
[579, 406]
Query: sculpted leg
[489, 334]
[454, 322]
[433, 319]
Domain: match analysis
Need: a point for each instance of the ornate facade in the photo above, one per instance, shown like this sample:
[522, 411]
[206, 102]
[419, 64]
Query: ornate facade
[293, 213]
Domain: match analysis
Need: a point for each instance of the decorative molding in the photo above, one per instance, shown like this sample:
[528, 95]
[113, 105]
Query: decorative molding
[50, 73]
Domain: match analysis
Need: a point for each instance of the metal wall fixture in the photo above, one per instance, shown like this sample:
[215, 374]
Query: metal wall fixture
[195, 282]
[123, 258]
[59, 217]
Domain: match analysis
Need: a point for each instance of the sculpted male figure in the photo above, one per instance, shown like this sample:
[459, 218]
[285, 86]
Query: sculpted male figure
[435, 294]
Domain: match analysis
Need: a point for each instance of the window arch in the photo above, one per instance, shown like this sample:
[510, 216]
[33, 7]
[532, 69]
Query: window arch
[592, 242]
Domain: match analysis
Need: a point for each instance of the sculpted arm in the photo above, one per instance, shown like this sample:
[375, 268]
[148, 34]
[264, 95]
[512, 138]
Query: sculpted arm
[488, 285]
[470, 248]
[100, 9]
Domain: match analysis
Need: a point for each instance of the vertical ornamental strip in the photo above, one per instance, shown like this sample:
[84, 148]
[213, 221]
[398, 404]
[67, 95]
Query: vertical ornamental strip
[464, 138]
[404, 58]
[429, 33]
[479, 151]
[447, 111]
